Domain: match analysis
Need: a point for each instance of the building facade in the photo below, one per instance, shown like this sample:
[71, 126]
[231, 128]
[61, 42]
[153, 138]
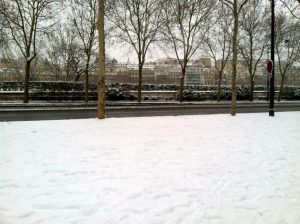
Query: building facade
[200, 71]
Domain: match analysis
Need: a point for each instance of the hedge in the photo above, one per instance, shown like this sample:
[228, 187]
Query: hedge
[74, 91]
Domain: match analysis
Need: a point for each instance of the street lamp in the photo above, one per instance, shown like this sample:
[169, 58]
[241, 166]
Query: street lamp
[271, 109]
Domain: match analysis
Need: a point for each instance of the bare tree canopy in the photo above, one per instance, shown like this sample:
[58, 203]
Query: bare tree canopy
[185, 24]
[85, 18]
[25, 20]
[61, 49]
[218, 43]
[293, 7]
[136, 22]
[4, 38]
[254, 37]
[287, 46]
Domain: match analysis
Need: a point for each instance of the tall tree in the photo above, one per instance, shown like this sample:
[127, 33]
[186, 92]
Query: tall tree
[236, 6]
[137, 23]
[218, 44]
[101, 82]
[85, 17]
[253, 39]
[287, 46]
[185, 25]
[25, 19]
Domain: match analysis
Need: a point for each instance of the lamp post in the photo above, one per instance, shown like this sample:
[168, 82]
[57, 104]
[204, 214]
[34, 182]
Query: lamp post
[272, 79]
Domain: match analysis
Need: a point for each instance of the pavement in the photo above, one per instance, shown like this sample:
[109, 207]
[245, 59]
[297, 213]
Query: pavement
[6, 106]
[38, 110]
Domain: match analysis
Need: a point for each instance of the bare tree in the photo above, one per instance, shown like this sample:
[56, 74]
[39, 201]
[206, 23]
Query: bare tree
[137, 23]
[53, 54]
[218, 43]
[253, 39]
[62, 49]
[287, 46]
[85, 17]
[25, 19]
[185, 25]
[236, 7]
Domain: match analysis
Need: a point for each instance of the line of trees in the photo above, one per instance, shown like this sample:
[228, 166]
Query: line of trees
[225, 30]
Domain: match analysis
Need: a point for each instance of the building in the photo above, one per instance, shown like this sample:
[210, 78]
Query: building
[199, 71]
[242, 77]
[148, 73]
[167, 71]
[11, 70]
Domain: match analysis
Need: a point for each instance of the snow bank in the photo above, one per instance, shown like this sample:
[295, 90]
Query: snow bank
[210, 169]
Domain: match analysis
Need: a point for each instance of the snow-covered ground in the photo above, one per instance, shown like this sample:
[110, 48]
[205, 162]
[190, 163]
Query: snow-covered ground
[208, 169]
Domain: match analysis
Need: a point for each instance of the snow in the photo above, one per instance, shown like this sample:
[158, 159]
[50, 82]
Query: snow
[208, 169]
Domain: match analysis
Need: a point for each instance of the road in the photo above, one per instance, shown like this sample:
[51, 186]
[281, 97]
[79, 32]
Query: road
[136, 111]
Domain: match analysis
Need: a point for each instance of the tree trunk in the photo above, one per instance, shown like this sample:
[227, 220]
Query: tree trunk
[182, 85]
[234, 59]
[26, 82]
[101, 83]
[219, 86]
[140, 84]
[86, 92]
[67, 72]
[87, 87]
[251, 88]
[280, 94]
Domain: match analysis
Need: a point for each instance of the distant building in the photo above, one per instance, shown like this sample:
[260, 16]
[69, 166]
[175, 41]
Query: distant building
[205, 61]
[205, 68]
[199, 71]
[167, 71]
[261, 76]
[242, 73]
[148, 73]
[11, 70]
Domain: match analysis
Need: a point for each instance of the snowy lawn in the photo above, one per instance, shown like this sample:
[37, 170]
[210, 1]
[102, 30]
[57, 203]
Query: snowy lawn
[208, 169]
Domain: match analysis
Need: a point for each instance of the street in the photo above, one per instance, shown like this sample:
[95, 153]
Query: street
[136, 111]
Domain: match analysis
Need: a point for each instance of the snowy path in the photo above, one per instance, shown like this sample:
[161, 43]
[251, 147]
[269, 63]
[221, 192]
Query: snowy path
[209, 169]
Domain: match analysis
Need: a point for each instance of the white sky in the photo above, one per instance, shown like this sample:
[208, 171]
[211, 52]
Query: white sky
[124, 52]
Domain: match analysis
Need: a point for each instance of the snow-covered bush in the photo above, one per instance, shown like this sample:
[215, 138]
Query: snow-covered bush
[297, 93]
[114, 93]
[291, 93]
[243, 93]
[65, 90]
